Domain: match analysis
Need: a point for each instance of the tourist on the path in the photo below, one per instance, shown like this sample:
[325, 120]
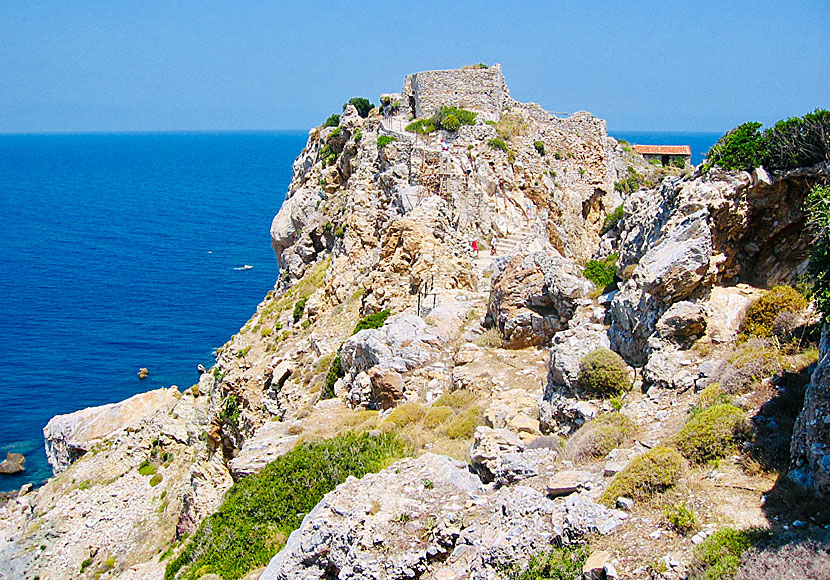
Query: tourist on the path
[475, 247]
[493, 246]
[444, 145]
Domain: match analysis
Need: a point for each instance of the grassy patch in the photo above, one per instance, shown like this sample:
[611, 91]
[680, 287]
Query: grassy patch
[447, 427]
[652, 472]
[147, 468]
[711, 433]
[261, 510]
[597, 438]
[603, 373]
[385, 140]
[559, 564]
[490, 338]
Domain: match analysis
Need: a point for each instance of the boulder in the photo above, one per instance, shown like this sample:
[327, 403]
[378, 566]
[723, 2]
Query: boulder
[387, 387]
[12, 464]
[594, 566]
[272, 440]
[489, 454]
[682, 322]
[68, 437]
[533, 296]
[143, 373]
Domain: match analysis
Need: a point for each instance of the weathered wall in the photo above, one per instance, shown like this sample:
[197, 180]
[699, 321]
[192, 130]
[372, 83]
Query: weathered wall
[481, 90]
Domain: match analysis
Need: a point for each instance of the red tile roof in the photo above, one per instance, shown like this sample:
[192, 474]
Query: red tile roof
[663, 149]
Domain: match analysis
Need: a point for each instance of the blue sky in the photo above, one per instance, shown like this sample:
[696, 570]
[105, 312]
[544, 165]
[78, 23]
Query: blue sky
[245, 65]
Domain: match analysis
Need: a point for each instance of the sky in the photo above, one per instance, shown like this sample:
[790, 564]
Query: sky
[246, 65]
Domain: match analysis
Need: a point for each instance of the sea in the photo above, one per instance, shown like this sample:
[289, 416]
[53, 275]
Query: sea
[121, 251]
[128, 250]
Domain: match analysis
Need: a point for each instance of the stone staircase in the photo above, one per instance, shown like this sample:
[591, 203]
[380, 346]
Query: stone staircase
[514, 241]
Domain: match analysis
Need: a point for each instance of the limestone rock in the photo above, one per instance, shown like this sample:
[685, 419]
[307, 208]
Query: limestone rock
[143, 373]
[810, 446]
[270, 441]
[496, 456]
[534, 296]
[68, 437]
[594, 566]
[682, 321]
[391, 525]
[12, 464]
[387, 387]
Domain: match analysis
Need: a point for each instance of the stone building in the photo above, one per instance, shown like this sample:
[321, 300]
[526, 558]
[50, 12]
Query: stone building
[679, 155]
[478, 89]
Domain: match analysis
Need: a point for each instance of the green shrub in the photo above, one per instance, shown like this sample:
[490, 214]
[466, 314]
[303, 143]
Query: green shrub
[421, 126]
[110, 562]
[743, 148]
[451, 123]
[681, 517]
[761, 315]
[335, 372]
[385, 140]
[146, 468]
[711, 433]
[260, 510]
[612, 219]
[499, 143]
[155, 480]
[798, 141]
[678, 162]
[362, 105]
[817, 207]
[371, 321]
[230, 410]
[601, 272]
[559, 564]
[597, 438]
[791, 143]
[299, 308]
[632, 182]
[603, 373]
[86, 564]
[652, 472]
[357, 135]
[540, 147]
[719, 555]
[713, 394]
[332, 121]
[463, 116]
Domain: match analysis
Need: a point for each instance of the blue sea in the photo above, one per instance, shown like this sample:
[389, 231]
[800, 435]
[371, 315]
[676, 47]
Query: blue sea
[121, 251]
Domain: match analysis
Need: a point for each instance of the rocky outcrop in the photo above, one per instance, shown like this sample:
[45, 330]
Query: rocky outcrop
[690, 235]
[13, 463]
[68, 437]
[534, 296]
[430, 517]
[810, 447]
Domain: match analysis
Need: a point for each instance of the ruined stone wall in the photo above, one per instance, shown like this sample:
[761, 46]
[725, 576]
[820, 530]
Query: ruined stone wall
[481, 90]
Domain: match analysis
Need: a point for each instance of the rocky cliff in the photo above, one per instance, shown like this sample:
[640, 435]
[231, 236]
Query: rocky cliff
[385, 320]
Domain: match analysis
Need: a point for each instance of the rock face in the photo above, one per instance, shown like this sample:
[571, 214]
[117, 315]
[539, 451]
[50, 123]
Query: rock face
[720, 228]
[534, 296]
[430, 517]
[12, 464]
[68, 437]
[810, 447]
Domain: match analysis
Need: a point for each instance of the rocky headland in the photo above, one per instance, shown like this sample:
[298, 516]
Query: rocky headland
[626, 380]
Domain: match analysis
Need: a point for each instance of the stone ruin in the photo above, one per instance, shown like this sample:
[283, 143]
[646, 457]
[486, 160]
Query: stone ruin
[482, 90]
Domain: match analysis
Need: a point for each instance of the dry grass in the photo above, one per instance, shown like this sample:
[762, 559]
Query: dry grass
[446, 427]
[490, 338]
[596, 438]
